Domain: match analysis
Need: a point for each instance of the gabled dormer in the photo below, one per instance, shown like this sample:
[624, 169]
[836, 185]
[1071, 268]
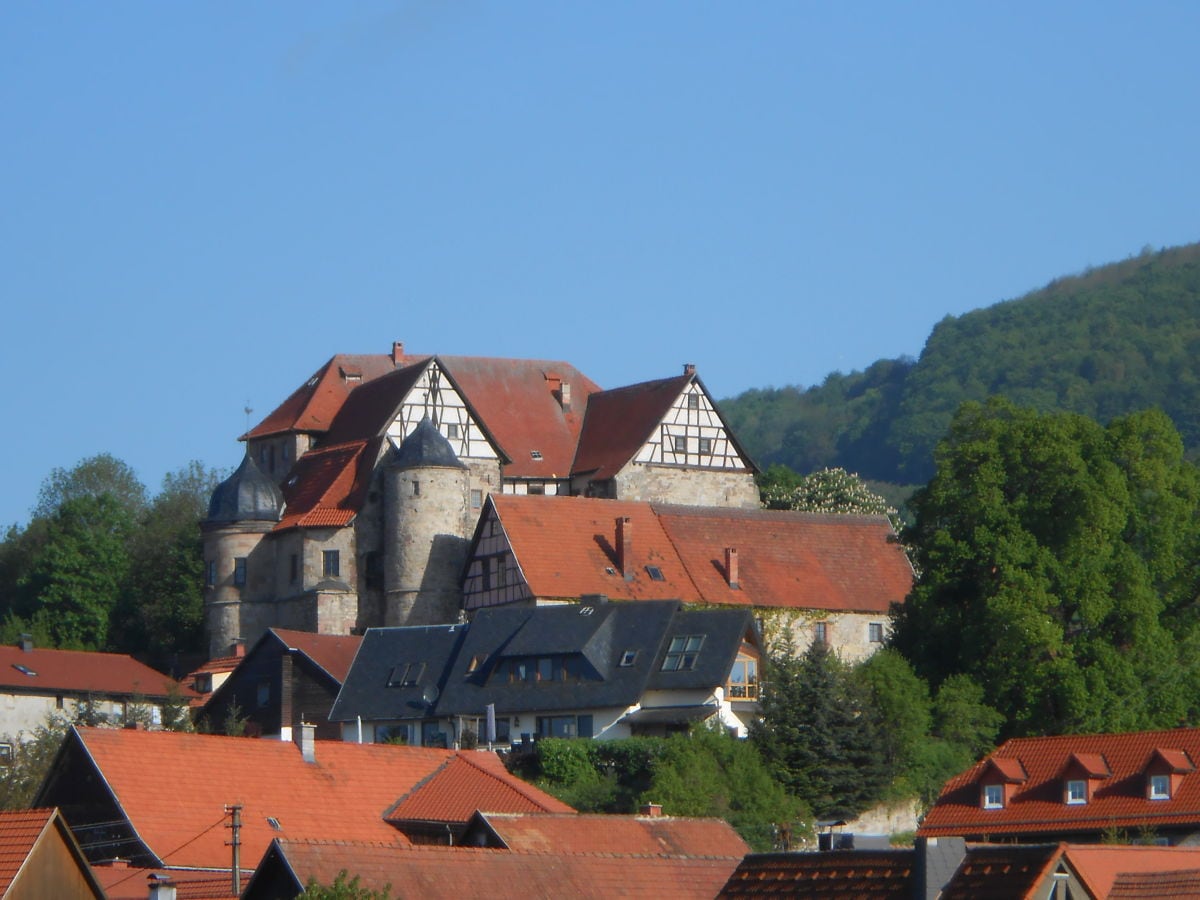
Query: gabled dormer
[999, 781]
[1082, 775]
[1164, 772]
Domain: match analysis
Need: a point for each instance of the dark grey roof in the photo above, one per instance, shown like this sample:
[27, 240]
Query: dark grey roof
[381, 657]
[425, 447]
[722, 631]
[246, 495]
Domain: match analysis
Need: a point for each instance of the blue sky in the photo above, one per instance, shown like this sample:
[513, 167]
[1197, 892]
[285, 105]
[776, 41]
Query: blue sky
[201, 202]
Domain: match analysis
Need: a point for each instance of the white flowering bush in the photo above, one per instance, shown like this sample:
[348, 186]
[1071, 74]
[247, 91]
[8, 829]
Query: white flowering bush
[829, 491]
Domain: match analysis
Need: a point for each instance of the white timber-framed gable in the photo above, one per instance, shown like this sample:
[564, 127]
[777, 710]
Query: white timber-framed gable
[435, 397]
[692, 435]
[493, 576]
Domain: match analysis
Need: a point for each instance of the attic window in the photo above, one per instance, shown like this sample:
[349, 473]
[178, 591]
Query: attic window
[476, 662]
[25, 670]
[628, 658]
[993, 796]
[1076, 791]
[406, 675]
[682, 652]
[655, 573]
[693, 401]
[1160, 785]
[535, 454]
[274, 823]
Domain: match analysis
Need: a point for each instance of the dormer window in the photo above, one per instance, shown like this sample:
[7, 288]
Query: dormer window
[1160, 787]
[535, 454]
[682, 652]
[1077, 791]
[993, 796]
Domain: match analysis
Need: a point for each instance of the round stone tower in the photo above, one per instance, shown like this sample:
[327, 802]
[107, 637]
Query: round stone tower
[243, 508]
[426, 530]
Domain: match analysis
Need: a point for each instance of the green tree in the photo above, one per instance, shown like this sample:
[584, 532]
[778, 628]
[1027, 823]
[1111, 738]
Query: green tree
[1054, 556]
[345, 887]
[820, 734]
[91, 478]
[905, 710]
[32, 756]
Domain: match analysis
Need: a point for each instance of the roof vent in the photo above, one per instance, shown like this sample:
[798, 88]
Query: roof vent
[25, 642]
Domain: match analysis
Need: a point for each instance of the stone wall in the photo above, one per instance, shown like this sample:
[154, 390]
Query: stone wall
[687, 486]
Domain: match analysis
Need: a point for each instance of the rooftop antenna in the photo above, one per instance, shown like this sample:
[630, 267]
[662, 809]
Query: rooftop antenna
[247, 410]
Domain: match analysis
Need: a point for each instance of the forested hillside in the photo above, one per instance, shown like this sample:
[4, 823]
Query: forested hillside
[1107, 342]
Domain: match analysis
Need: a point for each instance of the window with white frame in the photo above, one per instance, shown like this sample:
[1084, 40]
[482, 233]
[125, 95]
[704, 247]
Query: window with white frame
[993, 796]
[1160, 787]
[1077, 791]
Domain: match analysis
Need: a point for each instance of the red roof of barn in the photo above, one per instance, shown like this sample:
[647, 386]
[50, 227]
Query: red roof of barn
[466, 783]
[454, 872]
[844, 874]
[344, 793]
[1002, 872]
[1099, 866]
[20, 831]
[566, 547]
[620, 421]
[641, 835]
[81, 672]
[1037, 806]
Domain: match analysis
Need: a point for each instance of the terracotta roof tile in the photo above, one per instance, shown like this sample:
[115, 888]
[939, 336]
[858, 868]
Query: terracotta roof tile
[466, 783]
[842, 874]
[130, 882]
[455, 872]
[1099, 865]
[332, 652]
[565, 547]
[344, 793]
[80, 672]
[620, 421]
[640, 835]
[1001, 872]
[19, 831]
[327, 485]
[1155, 885]
[1037, 806]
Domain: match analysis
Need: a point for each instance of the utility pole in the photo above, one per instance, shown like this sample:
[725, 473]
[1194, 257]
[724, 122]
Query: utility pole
[234, 811]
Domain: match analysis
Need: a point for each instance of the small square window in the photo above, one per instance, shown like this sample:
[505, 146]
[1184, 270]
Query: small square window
[1077, 791]
[706, 446]
[476, 499]
[682, 652]
[993, 796]
[628, 658]
[680, 444]
[693, 401]
[452, 431]
[535, 454]
[655, 573]
[331, 563]
[875, 632]
[1160, 787]
[239, 571]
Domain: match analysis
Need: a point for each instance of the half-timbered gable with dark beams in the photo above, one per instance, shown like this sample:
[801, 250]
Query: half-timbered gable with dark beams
[662, 441]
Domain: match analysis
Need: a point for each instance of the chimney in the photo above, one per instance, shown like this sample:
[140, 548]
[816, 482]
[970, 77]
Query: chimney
[689, 368]
[306, 738]
[26, 643]
[564, 396]
[161, 887]
[238, 648]
[397, 352]
[625, 547]
[731, 567]
[937, 861]
[651, 810]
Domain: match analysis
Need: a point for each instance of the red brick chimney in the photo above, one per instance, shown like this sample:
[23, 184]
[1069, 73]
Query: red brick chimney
[625, 546]
[397, 352]
[652, 810]
[731, 567]
[689, 369]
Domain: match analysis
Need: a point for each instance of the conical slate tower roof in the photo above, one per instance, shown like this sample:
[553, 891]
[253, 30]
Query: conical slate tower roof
[426, 447]
[246, 495]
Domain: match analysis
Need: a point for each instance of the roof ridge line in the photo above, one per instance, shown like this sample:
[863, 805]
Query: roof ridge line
[520, 786]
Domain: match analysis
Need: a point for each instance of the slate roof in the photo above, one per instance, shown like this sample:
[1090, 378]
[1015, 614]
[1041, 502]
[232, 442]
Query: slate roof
[1037, 807]
[82, 672]
[628, 835]
[246, 495]
[565, 548]
[345, 793]
[601, 637]
[456, 872]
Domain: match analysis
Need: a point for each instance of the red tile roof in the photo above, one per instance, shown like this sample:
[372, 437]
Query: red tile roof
[456, 872]
[620, 421]
[313, 406]
[565, 548]
[19, 831]
[80, 672]
[173, 788]
[1037, 806]
[1099, 866]
[130, 882]
[842, 874]
[632, 835]
[468, 782]
[327, 485]
[1155, 885]
[332, 652]
[1002, 872]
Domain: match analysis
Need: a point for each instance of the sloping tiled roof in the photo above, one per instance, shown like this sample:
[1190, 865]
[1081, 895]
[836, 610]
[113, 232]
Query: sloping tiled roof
[130, 882]
[1155, 885]
[469, 782]
[332, 652]
[1001, 872]
[344, 793]
[326, 487]
[456, 872]
[631, 835]
[19, 831]
[1037, 806]
[1100, 866]
[620, 421]
[842, 874]
[565, 547]
[80, 672]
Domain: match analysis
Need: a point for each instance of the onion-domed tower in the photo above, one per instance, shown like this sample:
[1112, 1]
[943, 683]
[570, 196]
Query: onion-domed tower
[243, 508]
[426, 529]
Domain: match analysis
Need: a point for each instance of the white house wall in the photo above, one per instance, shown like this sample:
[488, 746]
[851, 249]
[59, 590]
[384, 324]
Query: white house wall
[691, 434]
[435, 398]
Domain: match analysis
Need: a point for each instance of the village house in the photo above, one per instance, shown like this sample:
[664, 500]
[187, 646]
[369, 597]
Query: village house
[38, 684]
[40, 858]
[1080, 788]
[359, 494]
[590, 670]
